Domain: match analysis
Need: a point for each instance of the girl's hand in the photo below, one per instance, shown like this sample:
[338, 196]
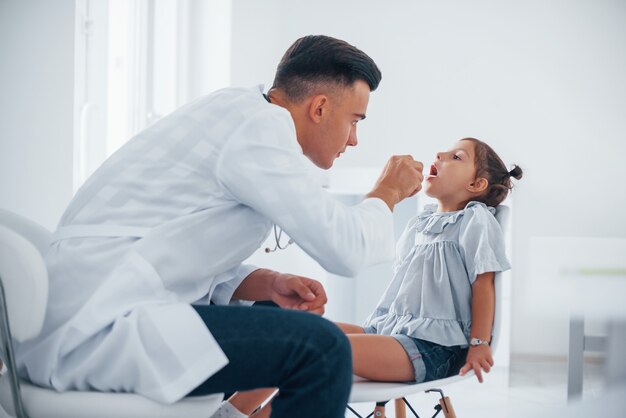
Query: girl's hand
[478, 358]
[297, 292]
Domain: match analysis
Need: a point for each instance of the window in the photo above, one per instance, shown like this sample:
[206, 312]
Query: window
[136, 61]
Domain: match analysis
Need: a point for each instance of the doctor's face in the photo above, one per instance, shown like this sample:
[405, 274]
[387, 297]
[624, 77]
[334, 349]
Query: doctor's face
[336, 130]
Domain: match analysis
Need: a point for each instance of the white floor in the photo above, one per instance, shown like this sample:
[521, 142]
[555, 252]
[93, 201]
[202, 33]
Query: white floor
[530, 388]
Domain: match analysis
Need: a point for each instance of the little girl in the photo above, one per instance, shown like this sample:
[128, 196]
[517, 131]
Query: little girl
[436, 316]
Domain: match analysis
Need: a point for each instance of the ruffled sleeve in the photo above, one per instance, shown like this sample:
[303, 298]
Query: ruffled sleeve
[481, 241]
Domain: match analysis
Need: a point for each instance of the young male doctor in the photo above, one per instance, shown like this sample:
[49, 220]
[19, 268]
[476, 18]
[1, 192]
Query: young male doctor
[151, 247]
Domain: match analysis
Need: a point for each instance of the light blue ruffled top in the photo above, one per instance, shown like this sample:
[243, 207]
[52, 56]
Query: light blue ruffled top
[438, 258]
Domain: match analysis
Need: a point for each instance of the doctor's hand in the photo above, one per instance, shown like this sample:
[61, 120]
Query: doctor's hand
[478, 358]
[402, 177]
[297, 292]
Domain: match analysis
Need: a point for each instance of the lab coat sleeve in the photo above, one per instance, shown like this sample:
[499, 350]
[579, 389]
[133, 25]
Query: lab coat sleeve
[262, 166]
[228, 282]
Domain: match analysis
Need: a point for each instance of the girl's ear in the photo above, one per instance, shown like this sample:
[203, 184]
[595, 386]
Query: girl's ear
[479, 185]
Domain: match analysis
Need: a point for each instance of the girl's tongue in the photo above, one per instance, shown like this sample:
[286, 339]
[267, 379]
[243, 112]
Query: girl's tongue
[433, 171]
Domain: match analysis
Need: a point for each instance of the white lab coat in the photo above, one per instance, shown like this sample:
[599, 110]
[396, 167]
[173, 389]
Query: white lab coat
[166, 222]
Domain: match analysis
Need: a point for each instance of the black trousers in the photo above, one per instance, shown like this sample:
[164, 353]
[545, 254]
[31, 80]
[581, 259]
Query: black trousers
[305, 356]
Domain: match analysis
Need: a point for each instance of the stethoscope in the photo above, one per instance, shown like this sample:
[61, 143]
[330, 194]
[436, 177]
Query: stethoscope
[278, 233]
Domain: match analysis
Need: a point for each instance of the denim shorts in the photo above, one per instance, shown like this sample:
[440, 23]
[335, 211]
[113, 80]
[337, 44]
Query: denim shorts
[432, 361]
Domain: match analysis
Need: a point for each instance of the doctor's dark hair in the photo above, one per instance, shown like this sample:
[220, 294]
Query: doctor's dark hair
[317, 59]
[490, 166]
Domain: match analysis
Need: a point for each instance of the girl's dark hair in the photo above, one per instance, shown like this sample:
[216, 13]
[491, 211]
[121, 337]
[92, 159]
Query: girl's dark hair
[318, 59]
[490, 166]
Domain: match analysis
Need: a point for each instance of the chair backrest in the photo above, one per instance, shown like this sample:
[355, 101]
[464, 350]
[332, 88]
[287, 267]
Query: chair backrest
[502, 216]
[25, 283]
[33, 232]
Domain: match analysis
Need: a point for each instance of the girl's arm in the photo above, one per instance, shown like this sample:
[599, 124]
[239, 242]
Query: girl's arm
[483, 307]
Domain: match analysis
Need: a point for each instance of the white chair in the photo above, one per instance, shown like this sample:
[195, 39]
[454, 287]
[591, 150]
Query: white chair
[370, 391]
[23, 298]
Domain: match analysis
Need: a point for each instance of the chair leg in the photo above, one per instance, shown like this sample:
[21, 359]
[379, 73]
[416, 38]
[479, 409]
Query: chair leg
[446, 407]
[400, 404]
[379, 412]
[400, 408]
[5, 337]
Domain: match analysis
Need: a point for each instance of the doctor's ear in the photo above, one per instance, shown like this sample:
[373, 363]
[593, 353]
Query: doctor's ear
[479, 185]
[318, 107]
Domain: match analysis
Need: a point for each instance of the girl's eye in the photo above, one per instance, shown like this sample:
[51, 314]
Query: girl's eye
[354, 122]
[456, 157]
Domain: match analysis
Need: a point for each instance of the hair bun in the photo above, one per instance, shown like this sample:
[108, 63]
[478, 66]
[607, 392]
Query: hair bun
[516, 172]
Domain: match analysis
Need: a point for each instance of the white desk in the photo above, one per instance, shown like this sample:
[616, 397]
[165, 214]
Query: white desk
[581, 278]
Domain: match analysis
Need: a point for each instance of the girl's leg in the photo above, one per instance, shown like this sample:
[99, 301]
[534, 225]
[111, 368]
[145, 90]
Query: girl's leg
[306, 357]
[265, 411]
[350, 328]
[247, 402]
[381, 358]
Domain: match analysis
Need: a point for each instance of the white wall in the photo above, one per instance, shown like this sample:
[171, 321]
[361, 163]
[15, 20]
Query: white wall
[36, 108]
[36, 105]
[542, 81]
